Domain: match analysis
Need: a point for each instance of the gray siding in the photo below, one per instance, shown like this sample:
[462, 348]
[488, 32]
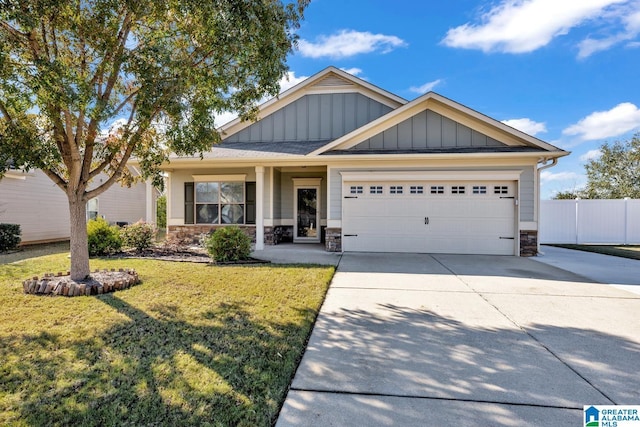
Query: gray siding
[286, 192]
[527, 193]
[277, 199]
[42, 209]
[427, 130]
[314, 118]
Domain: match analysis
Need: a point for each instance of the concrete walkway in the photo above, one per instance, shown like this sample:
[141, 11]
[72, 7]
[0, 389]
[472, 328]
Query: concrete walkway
[455, 340]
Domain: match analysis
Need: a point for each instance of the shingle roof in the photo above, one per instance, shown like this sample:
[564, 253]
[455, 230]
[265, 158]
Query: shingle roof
[447, 150]
[262, 149]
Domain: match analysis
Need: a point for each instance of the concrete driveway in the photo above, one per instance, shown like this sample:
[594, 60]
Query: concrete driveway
[464, 340]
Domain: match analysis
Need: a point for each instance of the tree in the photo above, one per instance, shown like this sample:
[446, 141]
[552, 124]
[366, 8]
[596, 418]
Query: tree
[616, 173]
[567, 195]
[163, 68]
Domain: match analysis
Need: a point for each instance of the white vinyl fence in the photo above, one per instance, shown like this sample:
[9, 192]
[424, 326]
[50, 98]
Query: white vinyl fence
[590, 221]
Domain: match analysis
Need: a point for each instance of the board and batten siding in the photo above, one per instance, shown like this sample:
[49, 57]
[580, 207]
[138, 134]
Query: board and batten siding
[42, 209]
[527, 184]
[427, 129]
[316, 117]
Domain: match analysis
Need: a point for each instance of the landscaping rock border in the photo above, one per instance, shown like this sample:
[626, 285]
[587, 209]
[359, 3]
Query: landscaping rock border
[99, 282]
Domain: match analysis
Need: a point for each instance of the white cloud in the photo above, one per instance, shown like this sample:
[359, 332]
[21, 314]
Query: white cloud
[620, 119]
[348, 43]
[526, 125]
[630, 30]
[290, 80]
[591, 155]
[353, 71]
[546, 176]
[425, 87]
[519, 26]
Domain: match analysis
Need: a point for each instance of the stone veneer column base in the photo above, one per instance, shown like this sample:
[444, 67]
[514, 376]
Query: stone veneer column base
[333, 240]
[528, 243]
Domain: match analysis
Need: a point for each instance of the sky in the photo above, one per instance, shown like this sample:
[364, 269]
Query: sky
[564, 71]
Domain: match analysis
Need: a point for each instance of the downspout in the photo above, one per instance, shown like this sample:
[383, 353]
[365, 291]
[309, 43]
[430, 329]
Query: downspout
[544, 166]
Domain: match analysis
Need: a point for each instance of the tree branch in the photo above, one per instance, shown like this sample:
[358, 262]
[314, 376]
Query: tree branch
[102, 166]
[56, 179]
[5, 112]
[19, 35]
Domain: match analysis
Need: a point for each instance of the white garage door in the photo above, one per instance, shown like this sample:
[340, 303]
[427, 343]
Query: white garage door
[464, 217]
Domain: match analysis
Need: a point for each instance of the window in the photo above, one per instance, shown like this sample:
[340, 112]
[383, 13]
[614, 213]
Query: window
[215, 203]
[416, 189]
[356, 189]
[92, 208]
[500, 189]
[375, 189]
[395, 189]
[457, 189]
[437, 189]
[479, 189]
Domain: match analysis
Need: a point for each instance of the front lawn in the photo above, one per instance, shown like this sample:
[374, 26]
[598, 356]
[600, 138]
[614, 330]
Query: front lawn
[192, 345]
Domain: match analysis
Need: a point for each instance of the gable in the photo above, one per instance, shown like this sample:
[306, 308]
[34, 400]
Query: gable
[433, 123]
[314, 117]
[427, 130]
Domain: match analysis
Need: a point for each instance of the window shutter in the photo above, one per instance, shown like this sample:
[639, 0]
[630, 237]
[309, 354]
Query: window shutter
[189, 217]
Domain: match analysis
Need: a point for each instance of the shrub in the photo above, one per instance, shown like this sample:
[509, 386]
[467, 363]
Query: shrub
[9, 236]
[140, 236]
[104, 239]
[161, 212]
[228, 244]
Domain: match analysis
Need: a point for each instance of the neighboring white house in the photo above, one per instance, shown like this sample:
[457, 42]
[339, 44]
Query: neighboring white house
[32, 200]
[338, 160]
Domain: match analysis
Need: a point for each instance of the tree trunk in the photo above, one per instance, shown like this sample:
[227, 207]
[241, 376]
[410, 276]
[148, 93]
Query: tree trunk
[78, 242]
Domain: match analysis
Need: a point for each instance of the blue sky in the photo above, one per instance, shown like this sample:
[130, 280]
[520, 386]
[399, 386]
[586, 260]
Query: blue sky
[565, 71]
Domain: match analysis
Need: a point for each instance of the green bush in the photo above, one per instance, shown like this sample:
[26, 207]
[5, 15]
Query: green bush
[161, 212]
[228, 244]
[140, 236]
[104, 239]
[9, 236]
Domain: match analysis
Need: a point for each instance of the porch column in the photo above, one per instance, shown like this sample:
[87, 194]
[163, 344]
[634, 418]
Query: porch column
[259, 208]
[150, 202]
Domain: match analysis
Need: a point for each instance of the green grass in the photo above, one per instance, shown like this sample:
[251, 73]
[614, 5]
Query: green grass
[192, 345]
[624, 251]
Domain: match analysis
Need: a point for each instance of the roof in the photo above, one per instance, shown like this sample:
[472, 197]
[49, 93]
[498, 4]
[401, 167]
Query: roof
[334, 80]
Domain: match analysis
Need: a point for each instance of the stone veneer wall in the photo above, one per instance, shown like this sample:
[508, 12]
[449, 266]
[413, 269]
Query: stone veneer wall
[333, 240]
[195, 231]
[528, 243]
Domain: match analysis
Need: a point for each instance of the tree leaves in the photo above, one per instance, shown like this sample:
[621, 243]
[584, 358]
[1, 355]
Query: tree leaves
[616, 173]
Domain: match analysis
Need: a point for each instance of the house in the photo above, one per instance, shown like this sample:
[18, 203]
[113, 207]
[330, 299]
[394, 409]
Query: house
[32, 200]
[340, 161]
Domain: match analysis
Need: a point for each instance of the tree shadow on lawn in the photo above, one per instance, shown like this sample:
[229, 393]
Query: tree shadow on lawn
[226, 368]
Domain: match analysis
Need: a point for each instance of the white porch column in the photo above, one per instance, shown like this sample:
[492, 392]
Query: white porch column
[259, 208]
[150, 203]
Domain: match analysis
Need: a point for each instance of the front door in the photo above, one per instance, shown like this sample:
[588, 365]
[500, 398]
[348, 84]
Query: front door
[307, 216]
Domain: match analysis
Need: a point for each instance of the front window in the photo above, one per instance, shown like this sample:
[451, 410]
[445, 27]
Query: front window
[220, 203]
